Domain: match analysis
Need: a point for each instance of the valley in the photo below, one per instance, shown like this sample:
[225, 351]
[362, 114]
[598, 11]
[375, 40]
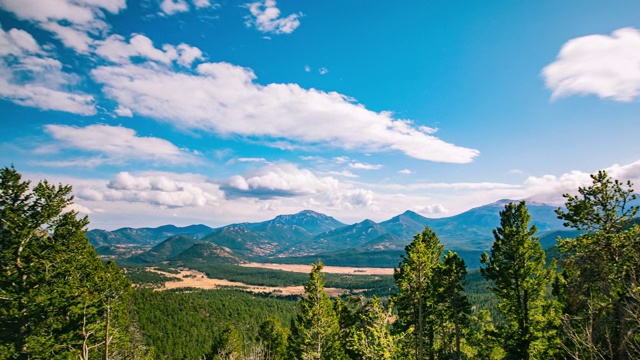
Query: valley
[193, 279]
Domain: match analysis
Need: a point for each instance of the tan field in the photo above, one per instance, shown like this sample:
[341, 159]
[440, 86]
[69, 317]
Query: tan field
[326, 269]
[199, 280]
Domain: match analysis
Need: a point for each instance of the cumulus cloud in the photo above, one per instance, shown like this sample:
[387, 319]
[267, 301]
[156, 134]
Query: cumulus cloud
[167, 190]
[288, 181]
[604, 65]
[265, 16]
[116, 49]
[550, 188]
[171, 7]
[405, 172]
[323, 71]
[224, 99]
[432, 209]
[283, 180]
[117, 144]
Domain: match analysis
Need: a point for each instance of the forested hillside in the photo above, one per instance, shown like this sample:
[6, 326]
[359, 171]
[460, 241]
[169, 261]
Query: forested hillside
[580, 300]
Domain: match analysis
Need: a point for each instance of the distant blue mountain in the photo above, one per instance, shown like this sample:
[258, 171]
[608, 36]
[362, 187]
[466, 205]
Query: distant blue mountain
[308, 233]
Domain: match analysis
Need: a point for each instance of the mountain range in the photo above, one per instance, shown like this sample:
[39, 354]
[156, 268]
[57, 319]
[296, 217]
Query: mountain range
[308, 234]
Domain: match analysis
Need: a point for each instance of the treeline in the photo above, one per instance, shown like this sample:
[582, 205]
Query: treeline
[584, 307]
[59, 301]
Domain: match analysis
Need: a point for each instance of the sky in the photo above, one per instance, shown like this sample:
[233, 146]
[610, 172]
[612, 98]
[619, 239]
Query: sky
[217, 112]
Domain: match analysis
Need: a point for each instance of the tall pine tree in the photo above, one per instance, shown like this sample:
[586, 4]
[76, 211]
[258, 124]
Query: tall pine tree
[519, 279]
[417, 301]
[600, 282]
[315, 333]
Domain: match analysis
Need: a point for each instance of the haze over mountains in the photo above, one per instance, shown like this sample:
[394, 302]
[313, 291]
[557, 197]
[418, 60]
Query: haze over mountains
[307, 234]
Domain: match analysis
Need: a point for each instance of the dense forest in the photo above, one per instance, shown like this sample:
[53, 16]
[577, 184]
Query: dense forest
[58, 300]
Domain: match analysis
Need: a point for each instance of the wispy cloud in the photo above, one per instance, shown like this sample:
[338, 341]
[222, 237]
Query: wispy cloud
[364, 166]
[265, 16]
[405, 172]
[223, 98]
[29, 77]
[114, 144]
[604, 65]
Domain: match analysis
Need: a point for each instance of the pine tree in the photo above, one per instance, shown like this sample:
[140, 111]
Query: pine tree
[454, 305]
[370, 337]
[599, 284]
[273, 338]
[516, 270]
[416, 301]
[314, 335]
[53, 287]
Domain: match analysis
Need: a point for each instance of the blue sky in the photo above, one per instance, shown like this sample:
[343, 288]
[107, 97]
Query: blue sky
[197, 111]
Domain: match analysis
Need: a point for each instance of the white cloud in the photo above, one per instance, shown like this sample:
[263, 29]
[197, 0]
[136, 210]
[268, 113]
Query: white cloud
[405, 172]
[363, 166]
[201, 3]
[116, 49]
[345, 173]
[284, 180]
[265, 16]
[262, 160]
[341, 159]
[123, 111]
[603, 65]
[224, 99]
[118, 144]
[323, 71]
[288, 181]
[167, 190]
[549, 188]
[432, 209]
[71, 21]
[188, 54]
[79, 208]
[17, 42]
[73, 38]
[171, 7]
[307, 68]
[39, 82]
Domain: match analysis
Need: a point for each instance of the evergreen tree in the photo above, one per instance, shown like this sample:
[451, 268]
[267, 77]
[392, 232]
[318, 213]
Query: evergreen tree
[228, 345]
[314, 335]
[519, 280]
[416, 301]
[454, 306]
[56, 296]
[273, 338]
[370, 337]
[599, 284]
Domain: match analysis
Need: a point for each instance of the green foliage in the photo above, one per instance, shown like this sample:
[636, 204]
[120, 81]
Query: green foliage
[600, 280]
[369, 336]
[273, 338]
[147, 279]
[57, 300]
[314, 334]
[519, 280]
[453, 306]
[416, 301]
[185, 324]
